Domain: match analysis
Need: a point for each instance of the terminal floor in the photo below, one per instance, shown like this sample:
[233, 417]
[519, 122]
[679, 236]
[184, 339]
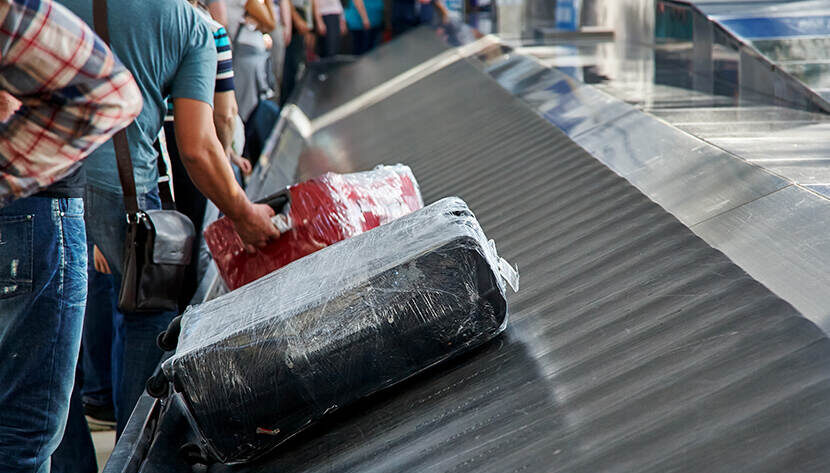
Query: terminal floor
[104, 442]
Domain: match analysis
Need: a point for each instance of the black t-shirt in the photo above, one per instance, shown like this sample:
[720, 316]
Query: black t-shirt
[70, 186]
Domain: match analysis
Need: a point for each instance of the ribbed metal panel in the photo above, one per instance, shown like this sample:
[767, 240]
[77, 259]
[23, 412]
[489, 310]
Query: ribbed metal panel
[633, 346]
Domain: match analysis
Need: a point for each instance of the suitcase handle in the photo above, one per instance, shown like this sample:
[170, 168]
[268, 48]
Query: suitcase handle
[277, 201]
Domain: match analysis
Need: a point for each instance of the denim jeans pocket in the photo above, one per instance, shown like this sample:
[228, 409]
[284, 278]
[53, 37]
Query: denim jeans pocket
[15, 255]
[73, 208]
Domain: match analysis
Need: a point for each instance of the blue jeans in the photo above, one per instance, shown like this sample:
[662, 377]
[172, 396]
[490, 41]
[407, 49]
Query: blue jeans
[93, 382]
[295, 57]
[43, 286]
[404, 16]
[138, 356]
[364, 40]
[97, 346]
[76, 452]
[330, 42]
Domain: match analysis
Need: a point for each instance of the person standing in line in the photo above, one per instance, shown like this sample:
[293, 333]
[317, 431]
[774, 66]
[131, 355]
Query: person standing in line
[189, 200]
[281, 37]
[64, 94]
[76, 453]
[364, 19]
[408, 14]
[97, 342]
[330, 25]
[295, 52]
[247, 21]
[168, 48]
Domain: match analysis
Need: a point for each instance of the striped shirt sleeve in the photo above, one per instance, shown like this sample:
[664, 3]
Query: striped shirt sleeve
[75, 95]
[224, 67]
[224, 63]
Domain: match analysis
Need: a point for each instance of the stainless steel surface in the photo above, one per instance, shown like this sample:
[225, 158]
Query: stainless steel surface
[515, 70]
[792, 34]
[761, 8]
[725, 118]
[693, 64]
[784, 234]
[802, 153]
[790, 143]
[722, 137]
[579, 109]
[709, 47]
[632, 346]
[691, 179]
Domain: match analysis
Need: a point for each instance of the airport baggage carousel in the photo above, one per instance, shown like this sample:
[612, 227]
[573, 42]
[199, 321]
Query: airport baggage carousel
[633, 345]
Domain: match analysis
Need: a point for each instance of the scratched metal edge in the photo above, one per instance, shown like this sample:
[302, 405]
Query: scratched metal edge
[633, 345]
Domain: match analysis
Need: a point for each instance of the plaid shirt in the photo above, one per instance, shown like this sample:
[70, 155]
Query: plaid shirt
[75, 95]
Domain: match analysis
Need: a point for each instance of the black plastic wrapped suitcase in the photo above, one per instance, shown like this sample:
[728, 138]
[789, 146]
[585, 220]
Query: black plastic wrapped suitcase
[257, 365]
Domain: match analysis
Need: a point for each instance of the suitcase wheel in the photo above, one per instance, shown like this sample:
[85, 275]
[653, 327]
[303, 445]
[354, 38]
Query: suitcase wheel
[168, 339]
[158, 386]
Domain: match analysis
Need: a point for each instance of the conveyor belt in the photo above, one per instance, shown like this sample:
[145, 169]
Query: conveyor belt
[633, 345]
[749, 177]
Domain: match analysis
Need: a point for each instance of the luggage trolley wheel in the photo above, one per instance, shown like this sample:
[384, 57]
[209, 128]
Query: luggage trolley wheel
[157, 385]
[193, 454]
[168, 339]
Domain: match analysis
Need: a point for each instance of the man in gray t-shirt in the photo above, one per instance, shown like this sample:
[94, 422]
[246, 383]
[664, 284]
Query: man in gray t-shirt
[170, 51]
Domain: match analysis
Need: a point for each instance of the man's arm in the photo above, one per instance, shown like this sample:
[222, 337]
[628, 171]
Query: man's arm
[201, 153]
[224, 117]
[224, 98]
[75, 95]
[208, 167]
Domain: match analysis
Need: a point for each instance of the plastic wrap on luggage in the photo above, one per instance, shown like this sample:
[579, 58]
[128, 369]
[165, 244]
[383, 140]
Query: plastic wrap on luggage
[319, 212]
[259, 364]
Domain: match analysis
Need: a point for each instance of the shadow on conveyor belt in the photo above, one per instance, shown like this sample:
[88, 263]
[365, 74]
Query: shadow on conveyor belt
[485, 377]
[633, 346]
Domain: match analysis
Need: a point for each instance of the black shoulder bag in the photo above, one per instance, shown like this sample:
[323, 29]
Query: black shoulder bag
[159, 243]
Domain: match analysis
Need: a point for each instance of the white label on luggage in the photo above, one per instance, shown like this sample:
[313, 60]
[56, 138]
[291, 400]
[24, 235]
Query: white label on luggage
[506, 271]
[509, 274]
[282, 222]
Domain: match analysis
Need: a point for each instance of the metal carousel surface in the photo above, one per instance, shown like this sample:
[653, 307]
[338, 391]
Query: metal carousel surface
[667, 215]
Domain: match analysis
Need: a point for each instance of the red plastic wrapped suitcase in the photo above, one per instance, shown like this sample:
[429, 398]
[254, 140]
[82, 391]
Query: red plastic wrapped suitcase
[317, 213]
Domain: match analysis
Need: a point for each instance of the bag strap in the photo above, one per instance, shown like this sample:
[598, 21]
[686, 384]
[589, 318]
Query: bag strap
[119, 140]
[165, 189]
